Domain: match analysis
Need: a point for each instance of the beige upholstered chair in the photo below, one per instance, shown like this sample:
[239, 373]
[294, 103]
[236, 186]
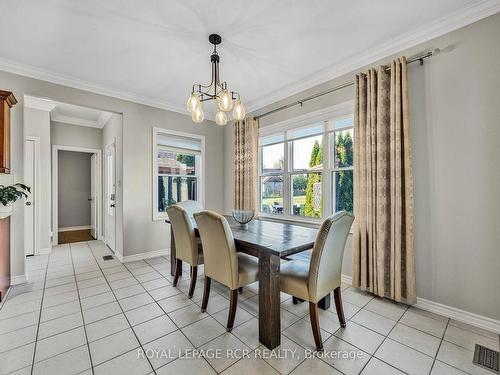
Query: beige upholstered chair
[222, 262]
[313, 280]
[188, 247]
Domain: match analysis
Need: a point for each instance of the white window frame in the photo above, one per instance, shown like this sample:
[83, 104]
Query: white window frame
[327, 117]
[200, 167]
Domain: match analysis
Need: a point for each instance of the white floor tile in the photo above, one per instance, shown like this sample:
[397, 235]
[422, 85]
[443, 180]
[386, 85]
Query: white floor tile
[106, 327]
[415, 339]
[172, 345]
[111, 346]
[350, 359]
[60, 343]
[128, 363]
[198, 366]
[377, 367]
[361, 337]
[73, 362]
[203, 331]
[55, 326]
[228, 345]
[404, 358]
[154, 328]
[375, 322]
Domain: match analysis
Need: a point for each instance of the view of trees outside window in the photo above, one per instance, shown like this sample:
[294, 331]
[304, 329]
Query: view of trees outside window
[344, 178]
[176, 178]
[304, 172]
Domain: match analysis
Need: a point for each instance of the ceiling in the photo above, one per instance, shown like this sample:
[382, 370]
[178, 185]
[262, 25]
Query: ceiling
[69, 113]
[152, 51]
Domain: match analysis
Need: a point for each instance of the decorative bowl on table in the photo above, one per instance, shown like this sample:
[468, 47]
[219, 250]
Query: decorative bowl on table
[243, 217]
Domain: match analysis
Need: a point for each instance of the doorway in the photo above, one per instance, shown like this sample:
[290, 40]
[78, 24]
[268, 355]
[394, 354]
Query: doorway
[76, 197]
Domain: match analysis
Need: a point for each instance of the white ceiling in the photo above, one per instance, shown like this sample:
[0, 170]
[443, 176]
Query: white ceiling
[152, 51]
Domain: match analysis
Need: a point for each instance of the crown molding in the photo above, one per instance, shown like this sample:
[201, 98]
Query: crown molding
[41, 104]
[453, 21]
[13, 67]
[103, 119]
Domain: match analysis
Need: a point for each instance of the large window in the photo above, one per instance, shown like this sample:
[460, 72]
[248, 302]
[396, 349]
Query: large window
[177, 168]
[306, 167]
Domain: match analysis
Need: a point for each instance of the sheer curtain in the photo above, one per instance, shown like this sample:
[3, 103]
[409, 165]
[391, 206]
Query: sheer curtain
[383, 256]
[246, 138]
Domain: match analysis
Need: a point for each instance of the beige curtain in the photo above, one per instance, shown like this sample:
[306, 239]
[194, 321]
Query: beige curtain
[383, 258]
[246, 138]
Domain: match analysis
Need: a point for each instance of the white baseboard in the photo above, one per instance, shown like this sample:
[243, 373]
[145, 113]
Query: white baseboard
[67, 229]
[44, 251]
[19, 279]
[450, 312]
[141, 256]
[460, 315]
[346, 279]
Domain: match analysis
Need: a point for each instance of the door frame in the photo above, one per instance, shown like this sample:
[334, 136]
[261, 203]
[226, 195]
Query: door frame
[55, 188]
[105, 185]
[35, 191]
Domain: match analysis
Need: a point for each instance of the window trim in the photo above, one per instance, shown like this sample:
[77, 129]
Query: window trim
[156, 131]
[326, 116]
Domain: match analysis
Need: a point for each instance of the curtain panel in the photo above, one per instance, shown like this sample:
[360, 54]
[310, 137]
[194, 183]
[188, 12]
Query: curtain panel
[246, 157]
[383, 252]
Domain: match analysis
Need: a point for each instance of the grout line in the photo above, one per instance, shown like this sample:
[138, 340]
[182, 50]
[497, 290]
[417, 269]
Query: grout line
[440, 343]
[123, 312]
[39, 316]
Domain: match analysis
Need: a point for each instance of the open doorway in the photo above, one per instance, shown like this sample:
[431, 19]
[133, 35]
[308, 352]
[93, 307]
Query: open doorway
[76, 174]
[74, 165]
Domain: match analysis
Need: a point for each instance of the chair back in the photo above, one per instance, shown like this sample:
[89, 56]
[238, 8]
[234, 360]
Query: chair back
[327, 255]
[219, 251]
[191, 207]
[185, 238]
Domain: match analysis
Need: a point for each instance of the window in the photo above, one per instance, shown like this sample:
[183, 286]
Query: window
[177, 169]
[306, 166]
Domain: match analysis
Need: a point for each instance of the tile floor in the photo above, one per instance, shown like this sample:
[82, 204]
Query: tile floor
[82, 315]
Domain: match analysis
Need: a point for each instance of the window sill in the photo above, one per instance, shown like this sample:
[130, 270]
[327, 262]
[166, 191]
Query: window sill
[311, 223]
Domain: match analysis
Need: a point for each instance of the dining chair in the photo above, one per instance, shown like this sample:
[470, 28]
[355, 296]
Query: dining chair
[222, 262]
[188, 247]
[312, 280]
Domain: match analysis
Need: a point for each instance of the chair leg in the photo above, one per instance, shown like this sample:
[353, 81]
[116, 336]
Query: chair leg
[232, 309]
[240, 290]
[178, 270]
[206, 293]
[296, 300]
[194, 275]
[313, 312]
[338, 306]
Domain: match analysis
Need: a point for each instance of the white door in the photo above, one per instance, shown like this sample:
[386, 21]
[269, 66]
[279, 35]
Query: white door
[29, 208]
[93, 196]
[110, 199]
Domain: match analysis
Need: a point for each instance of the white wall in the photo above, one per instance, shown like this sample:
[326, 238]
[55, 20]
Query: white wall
[141, 234]
[37, 124]
[455, 121]
[75, 136]
[73, 189]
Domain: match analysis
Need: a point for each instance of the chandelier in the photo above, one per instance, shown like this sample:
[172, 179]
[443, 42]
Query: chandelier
[217, 91]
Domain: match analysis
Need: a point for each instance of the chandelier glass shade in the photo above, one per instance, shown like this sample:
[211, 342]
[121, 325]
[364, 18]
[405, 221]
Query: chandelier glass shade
[217, 91]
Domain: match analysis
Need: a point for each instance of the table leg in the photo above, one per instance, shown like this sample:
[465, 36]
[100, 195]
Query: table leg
[324, 303]
[173, 259]
[269, 300]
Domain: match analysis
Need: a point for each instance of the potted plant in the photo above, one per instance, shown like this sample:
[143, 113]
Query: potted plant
[9, 195]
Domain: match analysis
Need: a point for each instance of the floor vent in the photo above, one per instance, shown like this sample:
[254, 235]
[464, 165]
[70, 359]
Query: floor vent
[486, 358]
[107, 257]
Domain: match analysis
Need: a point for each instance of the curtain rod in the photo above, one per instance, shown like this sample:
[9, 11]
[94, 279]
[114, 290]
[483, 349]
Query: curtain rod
[418, 58]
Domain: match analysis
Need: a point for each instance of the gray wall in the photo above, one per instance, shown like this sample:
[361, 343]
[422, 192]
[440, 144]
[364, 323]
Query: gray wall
[140, 232]
[455, 120]
[73, 189]
[74, 135]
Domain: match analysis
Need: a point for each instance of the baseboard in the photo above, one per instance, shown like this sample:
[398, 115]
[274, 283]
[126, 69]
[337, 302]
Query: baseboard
[346, 279]
[68, 229]
[450, 312]
[44, 251]
[460, 315]
[141, 256]
[19, 279]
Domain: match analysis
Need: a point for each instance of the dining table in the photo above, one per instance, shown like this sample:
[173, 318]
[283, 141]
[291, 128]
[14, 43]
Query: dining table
[271, 242]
